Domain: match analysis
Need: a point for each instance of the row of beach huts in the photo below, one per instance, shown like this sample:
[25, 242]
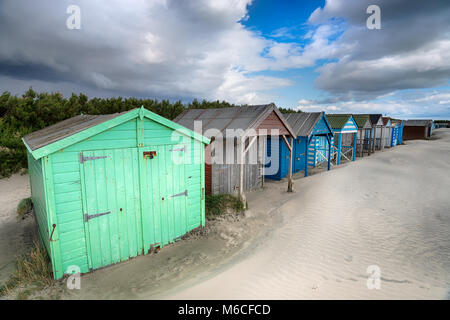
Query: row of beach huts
[106, 188]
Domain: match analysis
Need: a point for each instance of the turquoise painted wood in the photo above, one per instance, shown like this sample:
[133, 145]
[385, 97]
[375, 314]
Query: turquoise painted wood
[112, 189]
[38, 198]
[108, 199]
[339, 149]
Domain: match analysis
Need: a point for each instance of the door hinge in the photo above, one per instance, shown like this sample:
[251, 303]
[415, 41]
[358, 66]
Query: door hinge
[179, 149]
[83, 159]
[185, 193]
[88, 217]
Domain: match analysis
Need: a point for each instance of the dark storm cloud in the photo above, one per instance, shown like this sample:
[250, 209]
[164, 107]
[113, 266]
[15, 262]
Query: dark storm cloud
[30, 71]
[159, 48]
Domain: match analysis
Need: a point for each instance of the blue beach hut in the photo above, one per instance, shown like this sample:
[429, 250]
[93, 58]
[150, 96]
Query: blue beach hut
[345, 134]
[400, 132]
[397, 130]
[313, 138]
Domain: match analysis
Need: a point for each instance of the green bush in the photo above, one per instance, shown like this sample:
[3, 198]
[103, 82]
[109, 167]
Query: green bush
[220, 203]
[25, 206]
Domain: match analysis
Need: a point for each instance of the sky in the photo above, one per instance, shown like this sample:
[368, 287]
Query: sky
[312, 55]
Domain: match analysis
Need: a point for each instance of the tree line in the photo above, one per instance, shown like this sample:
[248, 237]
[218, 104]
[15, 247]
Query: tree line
[20, 115]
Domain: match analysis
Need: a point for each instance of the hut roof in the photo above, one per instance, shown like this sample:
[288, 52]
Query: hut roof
[70, 131]
[417, 123]
[385, 120]
[361, 120]
[64, 129]
[234, 118]
[303, 123]
[396, 120]
[338, 121]
[375, 117]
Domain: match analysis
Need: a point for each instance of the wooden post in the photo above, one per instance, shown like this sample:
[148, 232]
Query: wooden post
[241, 171]
[306, 156]
[374, 139]
[381, 139]
[354, 146]
[263, 160]
[363, 132]
[290, 182]
[338, 160]
[290, 146]
[243, 151]
[329, 151]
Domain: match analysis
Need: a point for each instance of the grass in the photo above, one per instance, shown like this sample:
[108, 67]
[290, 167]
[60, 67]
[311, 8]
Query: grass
[25, 206]
[219, 204]
[31, 269]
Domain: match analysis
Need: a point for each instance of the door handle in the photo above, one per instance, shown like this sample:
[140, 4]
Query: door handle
[88, 217]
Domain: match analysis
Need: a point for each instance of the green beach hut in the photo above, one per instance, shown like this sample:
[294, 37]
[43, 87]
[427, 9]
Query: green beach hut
[107, 188]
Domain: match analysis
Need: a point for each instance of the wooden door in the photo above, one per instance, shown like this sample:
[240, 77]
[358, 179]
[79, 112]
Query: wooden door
[112, 206]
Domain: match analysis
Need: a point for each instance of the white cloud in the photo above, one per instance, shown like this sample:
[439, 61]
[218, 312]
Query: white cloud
[402, 55]
[412, 104]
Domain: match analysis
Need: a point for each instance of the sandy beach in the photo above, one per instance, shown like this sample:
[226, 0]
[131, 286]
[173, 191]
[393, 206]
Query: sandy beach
[390, 210]
[15, 236]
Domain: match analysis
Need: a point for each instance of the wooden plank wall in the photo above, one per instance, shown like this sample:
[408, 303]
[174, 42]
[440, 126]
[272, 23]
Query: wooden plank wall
[225, 177]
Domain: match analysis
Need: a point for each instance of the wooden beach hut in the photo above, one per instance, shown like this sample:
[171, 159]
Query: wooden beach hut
[417, 129]
[106, 188]
[397, 127]
[377, 125]
[397, 132]
[387, 133]
[313, 139]
[235, 160]
[365, 134]
[345, 132]
[394, 134]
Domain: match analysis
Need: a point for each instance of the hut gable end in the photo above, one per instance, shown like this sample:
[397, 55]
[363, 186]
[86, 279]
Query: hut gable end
[123, 135]
[74, 130]
[321, 127]
[273, 122]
